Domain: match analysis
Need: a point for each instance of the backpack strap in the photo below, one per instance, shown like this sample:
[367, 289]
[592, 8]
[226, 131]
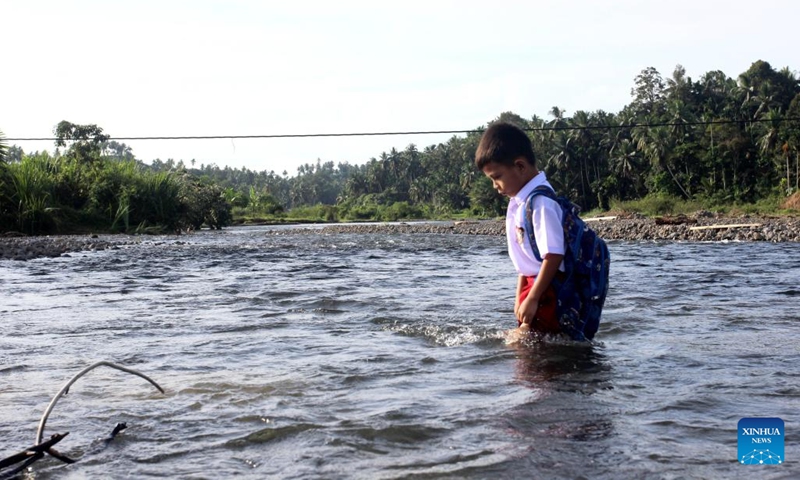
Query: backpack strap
[528, 225]
[582, 290]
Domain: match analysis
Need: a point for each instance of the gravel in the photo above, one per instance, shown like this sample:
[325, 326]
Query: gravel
[766, 229]
[772, 229]
[20, 247]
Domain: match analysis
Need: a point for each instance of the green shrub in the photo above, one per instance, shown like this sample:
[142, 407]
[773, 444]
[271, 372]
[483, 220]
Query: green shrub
[655, 205]
[314, 213]
[31, 194]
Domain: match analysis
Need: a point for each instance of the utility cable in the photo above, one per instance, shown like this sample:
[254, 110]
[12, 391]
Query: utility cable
[429, 132]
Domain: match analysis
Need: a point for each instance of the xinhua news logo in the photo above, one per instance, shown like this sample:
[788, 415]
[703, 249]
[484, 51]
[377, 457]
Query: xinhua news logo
[761, 441]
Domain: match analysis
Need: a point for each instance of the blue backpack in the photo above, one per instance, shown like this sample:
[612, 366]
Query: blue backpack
[582, 290]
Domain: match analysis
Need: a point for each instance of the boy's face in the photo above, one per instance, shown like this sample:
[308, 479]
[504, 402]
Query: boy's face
[508, 180]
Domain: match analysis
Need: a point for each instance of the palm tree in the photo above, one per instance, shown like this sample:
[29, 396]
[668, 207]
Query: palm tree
[656, 145]
[679, 115]
[539, 136]
[716, 92]
[356, 185]
[581, 138]
[765, 98]
[678, 86]
[770, 140]
[557, 123]
[560, 162]
[744, 93]
[624, 163]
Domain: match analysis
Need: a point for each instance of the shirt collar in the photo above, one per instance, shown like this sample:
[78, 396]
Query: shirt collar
[534, 182]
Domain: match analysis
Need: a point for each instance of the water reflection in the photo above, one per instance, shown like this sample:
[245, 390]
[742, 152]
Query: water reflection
[545, 360]
[565, 377]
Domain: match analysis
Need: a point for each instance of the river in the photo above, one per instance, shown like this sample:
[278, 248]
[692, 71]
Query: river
[382, 356]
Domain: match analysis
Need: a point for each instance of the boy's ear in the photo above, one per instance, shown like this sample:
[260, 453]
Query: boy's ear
[521, 163]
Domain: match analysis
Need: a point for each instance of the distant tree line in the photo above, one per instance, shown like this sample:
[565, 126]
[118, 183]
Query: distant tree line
[716, 140]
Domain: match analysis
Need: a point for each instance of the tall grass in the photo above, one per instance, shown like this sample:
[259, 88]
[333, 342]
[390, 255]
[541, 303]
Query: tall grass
[159, 199]
[111, 192]
[122, 215]
[40, 194]
[31, 193]
[3, 148]
[5, 213]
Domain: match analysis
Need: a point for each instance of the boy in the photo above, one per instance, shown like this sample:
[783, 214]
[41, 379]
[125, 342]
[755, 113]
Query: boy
[505, 155]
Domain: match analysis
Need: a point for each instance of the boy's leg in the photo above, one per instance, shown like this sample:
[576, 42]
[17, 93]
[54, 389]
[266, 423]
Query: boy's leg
[546, 320]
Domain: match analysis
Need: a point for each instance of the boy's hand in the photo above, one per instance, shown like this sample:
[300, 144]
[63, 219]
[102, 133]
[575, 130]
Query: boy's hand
[517, 335]
[527, 310]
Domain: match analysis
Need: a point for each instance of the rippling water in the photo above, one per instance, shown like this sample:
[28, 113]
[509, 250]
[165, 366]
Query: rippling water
[375, 356]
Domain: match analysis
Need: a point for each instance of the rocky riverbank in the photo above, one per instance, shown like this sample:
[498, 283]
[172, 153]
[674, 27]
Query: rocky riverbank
[702, 227]
[20, 247]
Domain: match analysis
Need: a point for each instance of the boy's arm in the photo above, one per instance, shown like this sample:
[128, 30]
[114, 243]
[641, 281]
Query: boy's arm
[517, 302]
[527, 309]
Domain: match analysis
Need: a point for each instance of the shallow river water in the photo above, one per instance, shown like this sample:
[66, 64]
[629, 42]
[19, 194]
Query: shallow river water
[382, 356]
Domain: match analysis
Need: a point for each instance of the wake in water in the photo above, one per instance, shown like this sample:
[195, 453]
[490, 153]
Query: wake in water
[524, 336]
[451, 335]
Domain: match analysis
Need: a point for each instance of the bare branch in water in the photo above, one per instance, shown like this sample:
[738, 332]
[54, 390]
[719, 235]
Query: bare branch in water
[56, 454]
[118, 428]
[30, 455]
[74, 379]
[34, 450]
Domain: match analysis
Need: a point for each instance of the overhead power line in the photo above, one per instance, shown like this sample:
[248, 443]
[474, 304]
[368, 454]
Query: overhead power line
[427, 132]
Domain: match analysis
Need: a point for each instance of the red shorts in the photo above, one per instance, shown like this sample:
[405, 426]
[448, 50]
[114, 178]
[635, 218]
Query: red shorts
[546, 320]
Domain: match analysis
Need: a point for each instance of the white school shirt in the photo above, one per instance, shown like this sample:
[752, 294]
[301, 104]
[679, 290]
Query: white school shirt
[547, 228]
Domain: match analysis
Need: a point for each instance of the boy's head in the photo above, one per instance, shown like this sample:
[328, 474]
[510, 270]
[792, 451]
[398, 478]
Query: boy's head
[505, 155]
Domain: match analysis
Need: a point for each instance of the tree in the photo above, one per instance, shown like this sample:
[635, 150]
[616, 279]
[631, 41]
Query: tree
[84, 142]
[764, 87]
[655, 143]
[715, 92]
[791, 133]
[14, 154]
[118, 151]
[484, 199]
[648, 93]
[513, 118]
[625, 170]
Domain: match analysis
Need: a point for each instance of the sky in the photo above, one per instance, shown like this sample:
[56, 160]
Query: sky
[240, 67]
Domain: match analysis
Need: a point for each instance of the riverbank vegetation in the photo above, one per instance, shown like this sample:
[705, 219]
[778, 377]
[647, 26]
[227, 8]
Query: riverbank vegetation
[681, 145]
[96, 185]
